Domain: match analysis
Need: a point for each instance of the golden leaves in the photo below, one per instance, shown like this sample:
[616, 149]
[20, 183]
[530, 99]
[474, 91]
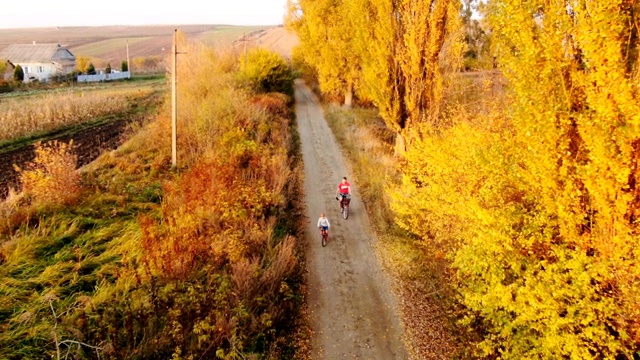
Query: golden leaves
[539, 217]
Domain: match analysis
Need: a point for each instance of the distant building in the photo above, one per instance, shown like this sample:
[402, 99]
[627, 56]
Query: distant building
[40, 61]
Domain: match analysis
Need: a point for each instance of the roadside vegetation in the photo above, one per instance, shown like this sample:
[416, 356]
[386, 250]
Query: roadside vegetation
[513, 194]
[130, 259]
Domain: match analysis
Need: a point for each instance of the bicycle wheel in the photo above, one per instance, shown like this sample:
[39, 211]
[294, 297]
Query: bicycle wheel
[324, 239]
[345, 211]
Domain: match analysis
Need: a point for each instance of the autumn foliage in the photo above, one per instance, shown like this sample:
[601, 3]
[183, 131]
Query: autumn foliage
[200, 261]
[266, 71]
[51, 178]
[532, 196]
[226, 274]
[217, 272]
[537, 206]
[392, 53]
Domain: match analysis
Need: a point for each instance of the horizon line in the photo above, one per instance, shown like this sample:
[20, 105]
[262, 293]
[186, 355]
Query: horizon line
[59, 27]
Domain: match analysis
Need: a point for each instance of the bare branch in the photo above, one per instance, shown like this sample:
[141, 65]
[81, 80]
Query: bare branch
[73, 342]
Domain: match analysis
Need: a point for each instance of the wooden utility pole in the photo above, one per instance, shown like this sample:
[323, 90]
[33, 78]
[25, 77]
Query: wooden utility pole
[244, 40]
[174, 101]
[128, 63]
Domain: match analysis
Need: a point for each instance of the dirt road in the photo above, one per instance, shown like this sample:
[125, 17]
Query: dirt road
[353, 312]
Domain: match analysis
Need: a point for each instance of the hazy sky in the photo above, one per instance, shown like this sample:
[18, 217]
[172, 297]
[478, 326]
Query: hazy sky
[45, 13]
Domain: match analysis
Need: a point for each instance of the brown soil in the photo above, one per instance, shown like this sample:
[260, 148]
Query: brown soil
[89, 143]
[277, 39]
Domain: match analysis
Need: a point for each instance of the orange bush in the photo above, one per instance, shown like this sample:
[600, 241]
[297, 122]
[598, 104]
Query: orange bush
[216, 263]
[52, 179]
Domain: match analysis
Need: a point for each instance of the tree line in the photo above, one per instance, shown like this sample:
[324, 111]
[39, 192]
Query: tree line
[534, 197]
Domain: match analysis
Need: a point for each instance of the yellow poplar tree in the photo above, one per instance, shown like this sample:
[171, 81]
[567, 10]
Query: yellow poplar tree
[325, 31]
[539, 207]
[562, 279]
[404, 46]
[82, 64]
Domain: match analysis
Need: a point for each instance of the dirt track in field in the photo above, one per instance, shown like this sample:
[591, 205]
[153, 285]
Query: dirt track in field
[353, 312]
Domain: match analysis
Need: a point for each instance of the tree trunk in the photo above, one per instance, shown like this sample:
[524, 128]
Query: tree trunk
[348, 96]
[401, 145]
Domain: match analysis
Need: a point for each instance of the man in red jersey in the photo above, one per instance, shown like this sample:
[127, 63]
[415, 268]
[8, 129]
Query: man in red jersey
[344, 189]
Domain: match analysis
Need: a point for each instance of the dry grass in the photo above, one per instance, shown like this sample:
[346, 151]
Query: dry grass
[153, 263]
[52, 178]
[24, 116]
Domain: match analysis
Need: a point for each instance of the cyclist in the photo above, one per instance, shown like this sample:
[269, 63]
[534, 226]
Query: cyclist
[344, 189]
[323, 223]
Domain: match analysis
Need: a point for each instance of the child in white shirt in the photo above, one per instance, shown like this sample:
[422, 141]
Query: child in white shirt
[323, 223]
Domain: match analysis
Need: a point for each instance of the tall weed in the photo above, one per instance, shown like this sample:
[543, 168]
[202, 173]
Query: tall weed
[52, 178]
[218, 220]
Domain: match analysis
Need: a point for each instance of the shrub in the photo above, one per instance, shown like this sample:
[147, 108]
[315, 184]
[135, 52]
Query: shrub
[51, 179]
[82, 64]
[124, 66]
[5, 86]
[18, 73]
[107, 70]
[266, 71]
[91, 70]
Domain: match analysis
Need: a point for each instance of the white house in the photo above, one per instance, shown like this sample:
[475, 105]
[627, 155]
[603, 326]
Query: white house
[40, 61]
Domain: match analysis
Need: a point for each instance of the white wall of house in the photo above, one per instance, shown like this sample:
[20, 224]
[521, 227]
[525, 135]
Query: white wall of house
[39, 71]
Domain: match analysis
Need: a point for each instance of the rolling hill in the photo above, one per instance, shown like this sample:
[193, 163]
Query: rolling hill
[107, 44]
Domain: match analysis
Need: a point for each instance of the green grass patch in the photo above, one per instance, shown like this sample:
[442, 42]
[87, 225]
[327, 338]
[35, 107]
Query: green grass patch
[69, 256]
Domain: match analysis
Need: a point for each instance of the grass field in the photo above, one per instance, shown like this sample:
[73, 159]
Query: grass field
[34, 114]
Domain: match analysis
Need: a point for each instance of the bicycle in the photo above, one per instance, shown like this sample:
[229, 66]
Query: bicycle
[325, 237]
[344, 205]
